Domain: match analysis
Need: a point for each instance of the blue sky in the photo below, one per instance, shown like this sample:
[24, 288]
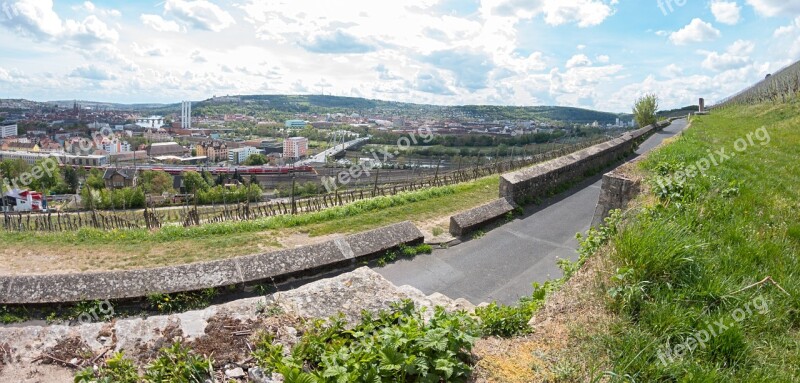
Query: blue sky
[598, 54]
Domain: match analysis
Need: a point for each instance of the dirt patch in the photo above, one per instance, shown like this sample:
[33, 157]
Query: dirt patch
[439, 224]
[555, 351]
[147, 352]
[68, 352]
[226, 340]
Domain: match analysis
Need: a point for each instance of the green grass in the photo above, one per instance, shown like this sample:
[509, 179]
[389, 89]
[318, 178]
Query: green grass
[686, 262]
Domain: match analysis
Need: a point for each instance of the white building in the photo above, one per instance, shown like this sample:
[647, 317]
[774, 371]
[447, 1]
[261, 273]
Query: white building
[8, 131]
[116, 146]
[295, 147]
[239, 155]
[186, 114]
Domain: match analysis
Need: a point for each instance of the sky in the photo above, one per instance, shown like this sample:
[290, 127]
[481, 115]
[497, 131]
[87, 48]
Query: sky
[597, 54]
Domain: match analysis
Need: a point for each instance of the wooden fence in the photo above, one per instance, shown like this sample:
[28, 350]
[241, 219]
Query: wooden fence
[151, 218]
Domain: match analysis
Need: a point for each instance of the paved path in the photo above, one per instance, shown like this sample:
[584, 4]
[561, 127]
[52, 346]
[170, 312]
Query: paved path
[504, 263]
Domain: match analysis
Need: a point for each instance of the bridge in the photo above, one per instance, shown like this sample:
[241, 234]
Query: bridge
[322, 157]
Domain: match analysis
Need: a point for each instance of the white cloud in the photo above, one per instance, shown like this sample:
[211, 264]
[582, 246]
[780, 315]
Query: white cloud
[775, 7]
[585, 13]
[159, 24]
[726, 12]
[150, 51]
[578, 60]
[93, 72]
[31, 18]
[698, 31]
[604, 59]
[37, 20]
[736, 56]
[200, 14]
[579, 86]
[90, 31]
[672, 71]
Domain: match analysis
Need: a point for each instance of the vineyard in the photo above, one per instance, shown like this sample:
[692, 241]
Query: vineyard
[189, 215]
[779, 87]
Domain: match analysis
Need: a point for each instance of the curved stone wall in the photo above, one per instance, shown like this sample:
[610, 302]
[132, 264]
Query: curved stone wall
[127, 284]
[522, 186]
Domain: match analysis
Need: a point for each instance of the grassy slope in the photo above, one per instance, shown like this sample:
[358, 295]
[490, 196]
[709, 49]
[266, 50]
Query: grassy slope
[680, 265]
[91, 249]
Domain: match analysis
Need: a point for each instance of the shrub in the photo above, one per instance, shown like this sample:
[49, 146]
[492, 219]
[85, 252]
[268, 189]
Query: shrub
[116, 369]
[168, 303]
[177, 364]
[644, 111]
[396, 346]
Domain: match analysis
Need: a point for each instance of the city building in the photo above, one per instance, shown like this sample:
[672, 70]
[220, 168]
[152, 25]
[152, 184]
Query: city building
[186, 114]
[269, 146]
[295, 147]
[23, 201]
[8, 131]
[157, 135]
[215, 151]
[116, 146]
[159, 149]
[295, 124]
[21, 146]
[93, 160]
[120, 178]
[239, 155]
[29, 157]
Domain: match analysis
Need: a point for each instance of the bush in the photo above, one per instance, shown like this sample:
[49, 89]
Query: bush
[396, 346]
[644, 111]
[509, 321]
[177, 364]
[117, 369]
[169, 303]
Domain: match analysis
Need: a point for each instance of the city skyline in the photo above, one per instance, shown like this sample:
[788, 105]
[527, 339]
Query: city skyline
[567, 53]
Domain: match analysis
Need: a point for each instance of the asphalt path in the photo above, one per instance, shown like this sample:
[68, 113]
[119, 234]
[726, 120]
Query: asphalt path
[502, 265]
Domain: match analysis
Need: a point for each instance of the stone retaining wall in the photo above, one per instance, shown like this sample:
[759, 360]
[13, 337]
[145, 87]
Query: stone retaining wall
[524, 185]
[465, 222]
[302, 261]
[617, 190]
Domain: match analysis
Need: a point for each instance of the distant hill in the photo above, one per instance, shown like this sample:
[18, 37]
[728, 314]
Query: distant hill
[318, 104]
[286, 106]
[103, 105]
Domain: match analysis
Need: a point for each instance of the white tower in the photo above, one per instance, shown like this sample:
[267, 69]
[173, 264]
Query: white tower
[186, 114]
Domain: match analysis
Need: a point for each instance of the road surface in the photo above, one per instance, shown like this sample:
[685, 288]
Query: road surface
[502, 265]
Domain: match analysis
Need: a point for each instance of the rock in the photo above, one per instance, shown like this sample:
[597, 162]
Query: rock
[362, 289]
[258, 375]
[235, 373]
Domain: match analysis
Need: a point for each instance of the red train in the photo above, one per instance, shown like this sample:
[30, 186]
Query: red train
[243, 170]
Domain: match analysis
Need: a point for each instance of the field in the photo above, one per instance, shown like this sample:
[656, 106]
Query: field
[91, 249]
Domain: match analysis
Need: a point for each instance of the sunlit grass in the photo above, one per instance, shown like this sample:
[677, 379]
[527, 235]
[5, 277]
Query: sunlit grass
[682, 264]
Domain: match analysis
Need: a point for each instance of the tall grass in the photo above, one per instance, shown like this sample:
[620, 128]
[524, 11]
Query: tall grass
[694, 258]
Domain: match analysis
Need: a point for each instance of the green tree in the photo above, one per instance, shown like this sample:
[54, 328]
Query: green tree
[156, 182]
[45, 179]
[71, 178]
[644, 111]
[194, 182]
[95, 179]
[256, 160]
[11, 169]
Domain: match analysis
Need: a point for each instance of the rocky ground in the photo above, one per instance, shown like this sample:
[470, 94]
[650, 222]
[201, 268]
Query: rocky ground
[225, 332]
